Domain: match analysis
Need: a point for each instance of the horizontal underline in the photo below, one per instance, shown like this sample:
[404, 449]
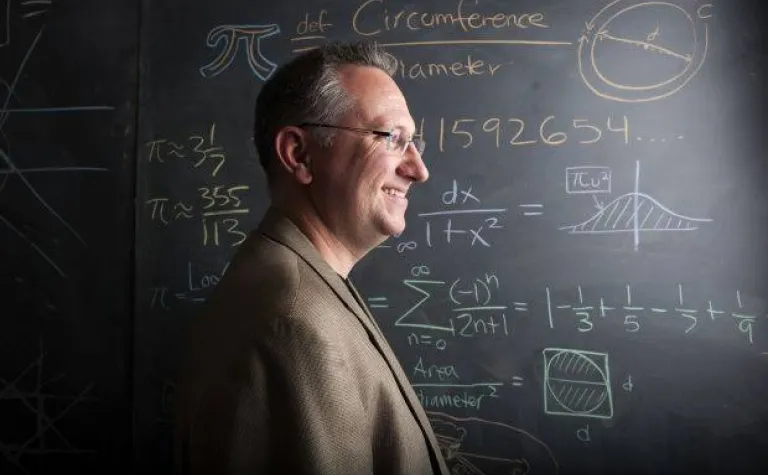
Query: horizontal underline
[6, 171]
[469, 309]
[463, 211]
[60, 109]
[449, 385]
[303, 38]
[462, 42]
[478, 42]
[594, 383]
[225, 212]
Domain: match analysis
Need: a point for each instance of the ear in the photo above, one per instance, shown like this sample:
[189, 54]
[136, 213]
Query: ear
[292, 147]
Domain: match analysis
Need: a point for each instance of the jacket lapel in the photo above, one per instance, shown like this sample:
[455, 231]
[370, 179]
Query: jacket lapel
[281, 229]
[402, 381]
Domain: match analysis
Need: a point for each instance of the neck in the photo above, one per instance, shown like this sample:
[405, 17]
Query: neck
[339, 256]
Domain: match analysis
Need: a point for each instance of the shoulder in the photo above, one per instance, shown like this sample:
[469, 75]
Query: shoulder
[268, 285]
[263, 278]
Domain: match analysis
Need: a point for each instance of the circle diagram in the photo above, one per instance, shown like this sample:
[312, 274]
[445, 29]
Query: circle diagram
[639, 52]
[577, 383]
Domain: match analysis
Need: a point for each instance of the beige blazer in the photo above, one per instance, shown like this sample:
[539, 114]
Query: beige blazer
[286, 372]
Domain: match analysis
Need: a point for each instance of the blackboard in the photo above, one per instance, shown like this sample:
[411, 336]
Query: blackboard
[68, 85]
[582, 283]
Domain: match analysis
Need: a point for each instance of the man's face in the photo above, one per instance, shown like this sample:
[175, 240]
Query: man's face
[359, 186]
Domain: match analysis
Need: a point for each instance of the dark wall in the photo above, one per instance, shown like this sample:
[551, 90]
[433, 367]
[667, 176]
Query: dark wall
[582, 284]
[68, 86]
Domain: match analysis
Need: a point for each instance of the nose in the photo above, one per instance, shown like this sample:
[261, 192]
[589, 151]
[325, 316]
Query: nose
[412, 166]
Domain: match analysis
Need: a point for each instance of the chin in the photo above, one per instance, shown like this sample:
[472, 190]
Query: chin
[397, 230]
[392, 228]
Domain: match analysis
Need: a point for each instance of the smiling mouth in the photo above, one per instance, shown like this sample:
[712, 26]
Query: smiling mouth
[395, 193]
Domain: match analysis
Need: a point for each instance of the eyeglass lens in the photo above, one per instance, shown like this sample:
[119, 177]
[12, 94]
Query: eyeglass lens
[400, 143]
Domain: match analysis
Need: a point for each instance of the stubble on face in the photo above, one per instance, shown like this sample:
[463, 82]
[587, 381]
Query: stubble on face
[352, 176]
[380, 105]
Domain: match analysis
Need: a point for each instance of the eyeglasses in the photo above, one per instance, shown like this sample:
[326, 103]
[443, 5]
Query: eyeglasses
[396, 141]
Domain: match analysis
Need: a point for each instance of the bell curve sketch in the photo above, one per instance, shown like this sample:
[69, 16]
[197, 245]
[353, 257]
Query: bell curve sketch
[635, 212]
[642, 51]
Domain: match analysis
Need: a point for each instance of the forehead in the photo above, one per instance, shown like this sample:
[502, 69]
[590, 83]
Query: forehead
[378, 99]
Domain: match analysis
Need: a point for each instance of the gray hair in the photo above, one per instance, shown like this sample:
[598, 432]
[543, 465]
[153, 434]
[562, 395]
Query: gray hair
[308, 89]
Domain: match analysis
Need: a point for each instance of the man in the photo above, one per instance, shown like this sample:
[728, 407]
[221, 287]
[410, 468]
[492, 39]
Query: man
[287, 372]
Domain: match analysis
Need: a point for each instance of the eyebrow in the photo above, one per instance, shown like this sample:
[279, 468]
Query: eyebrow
[387, 125]
[403, 129]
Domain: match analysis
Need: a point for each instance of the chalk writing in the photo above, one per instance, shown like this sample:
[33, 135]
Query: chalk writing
[500, 132]
[582, 433]
[438, 312]
[531, 209]
[633, 315]
[27, 9]
[198, 284]
[462, 442]
[229, 38]
[198, 149]
[460, 202]
[320, 25]
[614, 81]
[219, 209]
[377, 302]
[427, 340]
[467, 66]
[458, 396]
[577, 383]
[475, 311]
[745, 321]
[373, 18]
[432, 372]
[587, 180]
[635, 213]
